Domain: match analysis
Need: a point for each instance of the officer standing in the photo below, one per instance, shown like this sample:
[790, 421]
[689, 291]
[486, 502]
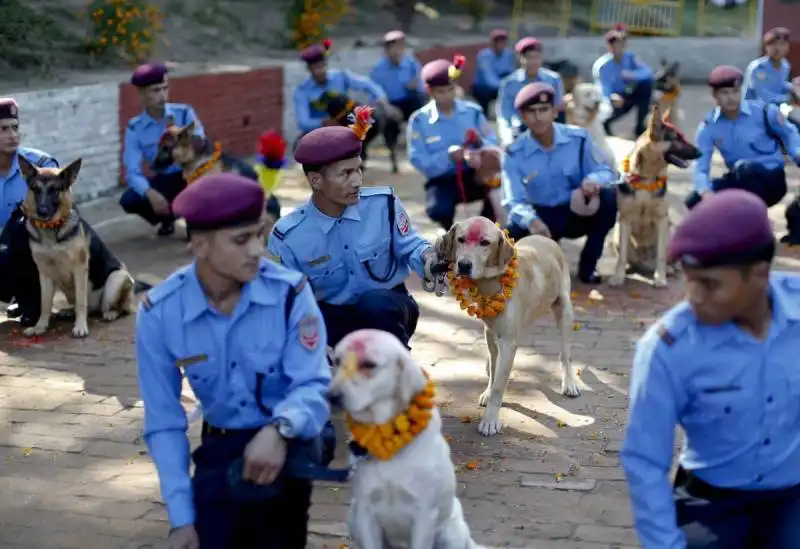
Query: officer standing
[19, 277]
[625, 81]
[767, 78]
[151, 198]
[494, 64]
[437, 135]
[256, 363]
[356, 245]
[555, 184]
[723, 366]
[529, 52]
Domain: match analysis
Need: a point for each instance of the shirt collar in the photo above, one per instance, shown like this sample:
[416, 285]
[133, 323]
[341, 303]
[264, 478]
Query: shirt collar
[458, 108]
[744, 109]
[257, 291]
[559, 138]
[168, 112]
[326, 223]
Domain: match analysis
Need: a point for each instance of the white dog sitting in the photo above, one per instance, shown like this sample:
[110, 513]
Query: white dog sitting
[584, 106]
[404, 490]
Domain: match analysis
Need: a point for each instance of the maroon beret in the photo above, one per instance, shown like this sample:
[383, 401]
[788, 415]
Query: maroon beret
[528, 43]
[149, 74]
[326, 145]
[218, 201]
[727, 228]
[498, 34]
[440, 72]
[725, 76]
[613, 35]
[316, 52]
[393, 36]
[535, 93]
[8, 108]
[778, 33]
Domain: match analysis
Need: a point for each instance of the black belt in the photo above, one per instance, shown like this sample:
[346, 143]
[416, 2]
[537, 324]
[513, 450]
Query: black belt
[700, 489]
[215, 432]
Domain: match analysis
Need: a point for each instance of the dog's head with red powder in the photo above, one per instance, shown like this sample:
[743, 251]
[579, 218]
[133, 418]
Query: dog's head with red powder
[477, 248]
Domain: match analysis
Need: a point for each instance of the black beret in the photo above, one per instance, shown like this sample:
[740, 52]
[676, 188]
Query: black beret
[729, 227]
[326, 145]
[8, 108]
[535, 93]
[442, 72]
[778, 33]
[498, 34]
[527, 44]
[149, 74]
[316, 52]
[218, 201]
[393, 36]
[725, 76]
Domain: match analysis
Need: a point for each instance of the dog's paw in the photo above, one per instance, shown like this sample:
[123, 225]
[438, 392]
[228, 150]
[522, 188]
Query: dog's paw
[80, 330]
[616, 281]
[660, 281]
[65, 314]
[483, 399]
[569, 387]
[490, 423]
[34, 331]
[110, 316]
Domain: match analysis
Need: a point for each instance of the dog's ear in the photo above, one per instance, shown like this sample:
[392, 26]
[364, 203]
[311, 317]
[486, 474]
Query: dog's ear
[411, 379]
[664, 62]
[656, 124]
[186, 133]
[445, 245]
[503, 252]
[28, 170]
[70, 174]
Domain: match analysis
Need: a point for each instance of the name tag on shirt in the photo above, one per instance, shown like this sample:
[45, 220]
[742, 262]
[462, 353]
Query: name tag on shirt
[319, 260]
[190, 361]
[433, 139]
[530, 176]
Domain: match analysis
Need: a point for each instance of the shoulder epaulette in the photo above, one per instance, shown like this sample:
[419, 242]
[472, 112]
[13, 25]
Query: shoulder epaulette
[666, 336]
[514, 146]
[132, 123]
[382, 190]
[164, 289]
[289, 222]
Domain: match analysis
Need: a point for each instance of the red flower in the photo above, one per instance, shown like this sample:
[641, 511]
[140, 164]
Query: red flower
[272, 146]
[620, 27]
[459, 61]
[327, 44]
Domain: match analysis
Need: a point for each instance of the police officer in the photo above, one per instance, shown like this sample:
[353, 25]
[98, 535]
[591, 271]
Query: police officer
[767, 78]
[19, 277]
[398, 74]
[256, 363]
[723, 366]
[494, 64]
[356, 245]
[554, 183]
[626, 82]
[529, 52]
[151, 197]
[751, 137]
[436, 144]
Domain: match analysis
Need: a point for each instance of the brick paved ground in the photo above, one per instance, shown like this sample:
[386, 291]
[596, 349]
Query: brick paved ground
[75, 474]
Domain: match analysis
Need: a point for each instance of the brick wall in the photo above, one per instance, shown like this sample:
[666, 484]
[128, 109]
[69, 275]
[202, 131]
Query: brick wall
[235, 108]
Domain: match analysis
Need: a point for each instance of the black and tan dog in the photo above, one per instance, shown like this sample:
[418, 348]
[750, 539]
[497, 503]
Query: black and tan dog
[667, 89]
[69, 254]
[338, 107]
[644, 225]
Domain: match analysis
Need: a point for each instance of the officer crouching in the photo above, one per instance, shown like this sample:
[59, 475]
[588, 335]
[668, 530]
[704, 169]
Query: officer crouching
[722, 365]
[248, 336]
[554, 184]
[356, 245]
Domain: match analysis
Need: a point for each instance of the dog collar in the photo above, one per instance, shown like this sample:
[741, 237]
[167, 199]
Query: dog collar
[206, 166]
[638, 183]
[671, 95]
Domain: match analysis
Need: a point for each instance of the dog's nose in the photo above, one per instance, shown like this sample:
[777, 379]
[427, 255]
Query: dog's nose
[464, 267]
[335, 400]
[41, 211]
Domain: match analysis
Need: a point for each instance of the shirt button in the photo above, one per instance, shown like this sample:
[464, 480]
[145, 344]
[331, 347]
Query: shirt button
[339, 221]
[243, 403]
[727, 409]
[769, 399]
[759, 478]
[233, 364]
[766, 442]
[271, 370]
[346, 247]
[351, 272]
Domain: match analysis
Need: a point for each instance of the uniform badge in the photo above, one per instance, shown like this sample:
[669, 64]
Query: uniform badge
[761, 75]
[403, 224]
[319, 260]
[309, 332]
[13, 110]
[433, 139]
[190, 361]
[274, 257]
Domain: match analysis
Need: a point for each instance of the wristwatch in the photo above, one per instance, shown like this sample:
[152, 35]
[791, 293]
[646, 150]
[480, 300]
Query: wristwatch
[285, 429]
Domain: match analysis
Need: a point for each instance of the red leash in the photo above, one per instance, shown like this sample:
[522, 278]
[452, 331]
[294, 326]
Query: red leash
[472, 139]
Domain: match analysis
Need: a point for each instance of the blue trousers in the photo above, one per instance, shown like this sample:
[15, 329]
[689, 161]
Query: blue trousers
[562, 223]
[639, 97]
[19, 276]
[168, 185]
[768, 184]
[442, 195]
[394, 311]
[223, 522]
[715, 518]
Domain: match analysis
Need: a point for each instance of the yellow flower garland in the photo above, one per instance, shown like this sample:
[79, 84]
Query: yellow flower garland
[384, 441]
[469, 297]
[207, 166]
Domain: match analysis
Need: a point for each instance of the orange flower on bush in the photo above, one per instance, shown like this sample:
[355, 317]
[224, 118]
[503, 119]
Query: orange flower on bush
[130, 27]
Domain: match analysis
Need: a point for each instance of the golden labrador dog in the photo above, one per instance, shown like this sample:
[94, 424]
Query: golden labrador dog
[509, 286]
[68, 253]
[404, 489]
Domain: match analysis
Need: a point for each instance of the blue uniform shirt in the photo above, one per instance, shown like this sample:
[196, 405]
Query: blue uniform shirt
[493, 67]
[533, 175]
[736, 398]
[310, 118]
[430, 134]
[764, 82]
[508, 119]
[395, 79]
[142, 137]
[744, 138]
[607, 73]
[334, 253]
[12, 185]
[178, 334]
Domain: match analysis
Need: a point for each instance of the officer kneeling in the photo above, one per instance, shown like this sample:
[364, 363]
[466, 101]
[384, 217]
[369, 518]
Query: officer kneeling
[553, 182]
[248, 336]
[356, 245]
[723, 366]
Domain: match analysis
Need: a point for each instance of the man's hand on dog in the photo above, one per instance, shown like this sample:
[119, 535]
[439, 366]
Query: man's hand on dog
[264, 456]
[538, 227]
[590, 188]
[184, 537]
[473, 159]
[456, 154]
[617, 100]
[158, 202]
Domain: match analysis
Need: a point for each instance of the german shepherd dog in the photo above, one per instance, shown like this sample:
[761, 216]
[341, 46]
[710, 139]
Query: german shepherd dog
[198, 156]
[667, 88]
[339, 107]
[69, 254]
[644, 224]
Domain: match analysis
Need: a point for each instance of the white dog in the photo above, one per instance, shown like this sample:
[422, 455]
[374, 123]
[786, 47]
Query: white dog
[407, 501]
[583, 108]
[482, 254]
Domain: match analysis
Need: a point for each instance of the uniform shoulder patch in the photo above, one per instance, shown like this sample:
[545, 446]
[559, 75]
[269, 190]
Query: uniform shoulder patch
[133, 123]
[382, 190]
[666, 336]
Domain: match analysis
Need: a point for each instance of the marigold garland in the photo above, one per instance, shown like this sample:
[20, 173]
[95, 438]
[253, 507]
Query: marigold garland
[384, 441]
[469, 297]
[638, 183]
[206, 166]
